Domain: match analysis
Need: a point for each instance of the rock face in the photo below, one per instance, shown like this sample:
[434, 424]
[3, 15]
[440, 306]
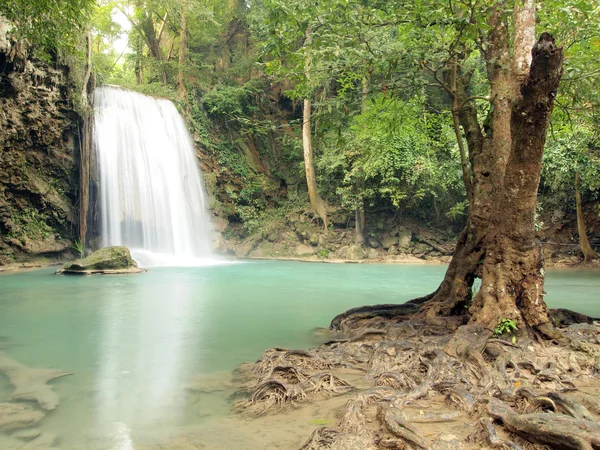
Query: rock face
[107, 260]
[38, 142]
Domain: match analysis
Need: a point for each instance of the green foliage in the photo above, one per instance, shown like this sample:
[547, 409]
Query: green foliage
[230, 100]
[571, 147]
[399, 155]
[323, 253]
[50, 25]
[382, 132]
[458, 210]
[508, 326]
[78, 248]
[231, 158]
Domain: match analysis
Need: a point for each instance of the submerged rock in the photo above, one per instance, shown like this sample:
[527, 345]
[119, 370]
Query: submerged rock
[14, 416]
[107, 260]
[30, 383]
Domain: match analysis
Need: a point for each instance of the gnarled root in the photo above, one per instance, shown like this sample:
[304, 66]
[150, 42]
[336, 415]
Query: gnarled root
[321, 438]
[556, 430]
[397, 424]
[486, 427]
[285, 377]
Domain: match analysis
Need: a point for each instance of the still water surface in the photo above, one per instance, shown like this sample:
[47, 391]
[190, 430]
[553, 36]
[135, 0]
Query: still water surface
[133, 343]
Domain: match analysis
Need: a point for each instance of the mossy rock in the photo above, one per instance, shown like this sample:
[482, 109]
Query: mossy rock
[107, 260]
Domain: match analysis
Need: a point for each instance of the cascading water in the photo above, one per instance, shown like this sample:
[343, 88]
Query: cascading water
[150, 186]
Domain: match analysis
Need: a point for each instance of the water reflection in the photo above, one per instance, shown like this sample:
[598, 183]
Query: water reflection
[146, 331]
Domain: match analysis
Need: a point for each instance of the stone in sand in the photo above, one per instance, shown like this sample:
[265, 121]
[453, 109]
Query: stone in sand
[43, 441]
[28, 434]
[30, 384]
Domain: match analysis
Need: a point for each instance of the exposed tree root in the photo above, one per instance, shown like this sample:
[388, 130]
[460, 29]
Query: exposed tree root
[487, 426]
[397, 424]
[556, 430]
[321, 438]
[517, 395]
[286, 377]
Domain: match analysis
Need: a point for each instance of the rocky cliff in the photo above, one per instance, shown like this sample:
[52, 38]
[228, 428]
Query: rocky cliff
[38, 146]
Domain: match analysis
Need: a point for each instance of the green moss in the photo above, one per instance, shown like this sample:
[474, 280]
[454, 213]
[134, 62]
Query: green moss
[107, 258]
[30, 223]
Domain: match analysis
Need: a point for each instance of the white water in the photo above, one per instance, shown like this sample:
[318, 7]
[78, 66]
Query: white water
[151, 194]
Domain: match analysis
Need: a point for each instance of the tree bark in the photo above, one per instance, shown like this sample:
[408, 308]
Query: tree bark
[182, 48]
[316, 201]
[498, 244]
[584, 243]
[524, 17]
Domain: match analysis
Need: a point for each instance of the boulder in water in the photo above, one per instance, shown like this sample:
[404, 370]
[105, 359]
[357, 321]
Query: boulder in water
[107, 260]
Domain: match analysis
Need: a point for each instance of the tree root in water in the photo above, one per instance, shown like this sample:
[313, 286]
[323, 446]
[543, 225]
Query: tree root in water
[517, 395]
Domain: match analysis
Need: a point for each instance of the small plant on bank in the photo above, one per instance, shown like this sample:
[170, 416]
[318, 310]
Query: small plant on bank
[78, 248]
[323, 253]
[506, 326]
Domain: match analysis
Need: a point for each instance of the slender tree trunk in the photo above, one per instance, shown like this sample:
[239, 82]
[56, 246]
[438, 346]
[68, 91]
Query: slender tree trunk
[359, 216]
[85, 146]
[138, 61]
[147, 26]
[316, 201]
[162, 27]
[458, 93]
[88, 70]
[182, 48]
[584, 243]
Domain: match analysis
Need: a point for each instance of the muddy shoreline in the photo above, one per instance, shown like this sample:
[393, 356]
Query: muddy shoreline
[558, 263]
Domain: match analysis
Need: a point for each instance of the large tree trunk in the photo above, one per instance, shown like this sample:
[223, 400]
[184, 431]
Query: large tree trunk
[584, 243]
[316, 201]
[498, 244]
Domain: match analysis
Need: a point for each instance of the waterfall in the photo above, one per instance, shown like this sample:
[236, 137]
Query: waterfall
[150, 186]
